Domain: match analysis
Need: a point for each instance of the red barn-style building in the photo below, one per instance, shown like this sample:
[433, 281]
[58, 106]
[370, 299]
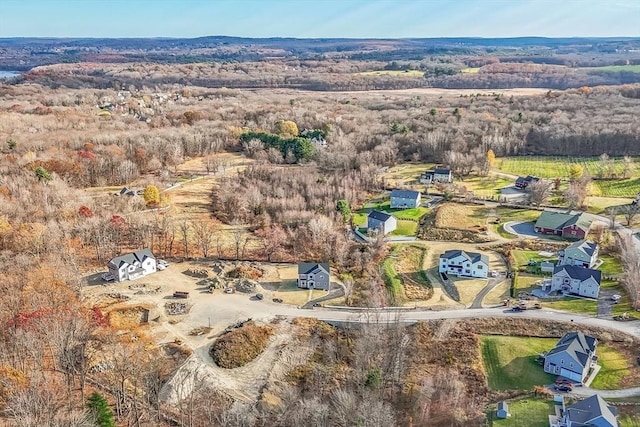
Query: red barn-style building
[570, 226]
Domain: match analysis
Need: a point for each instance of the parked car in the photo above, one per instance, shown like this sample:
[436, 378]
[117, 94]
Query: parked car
[163, 262]
[161, 267]
[229, 290]
[108, 277]
[563, 381]
[537, 305]
[259, 296]
[517, 309]
[616, 297]
[563, 387]
[278, 300]
[494, 273]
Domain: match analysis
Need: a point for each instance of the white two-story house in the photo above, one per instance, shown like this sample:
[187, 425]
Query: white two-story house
[132, 266]
[465, 264]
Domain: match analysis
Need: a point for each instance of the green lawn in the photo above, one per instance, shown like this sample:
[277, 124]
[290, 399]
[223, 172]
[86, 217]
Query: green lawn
[614, 368]
[615, 68]
[525, 412]
[406, 228]
[610, 265]
[485, 186]
[627, 420]
[407, 218]
[526, 283]
[510, 361]
[575, 305]
[522, 259]
[598, 204]
[557, 167]
[392, 280]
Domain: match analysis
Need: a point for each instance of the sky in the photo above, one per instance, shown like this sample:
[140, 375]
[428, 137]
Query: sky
[319, 18]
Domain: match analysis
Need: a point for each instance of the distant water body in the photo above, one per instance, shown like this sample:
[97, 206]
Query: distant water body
[7, 74]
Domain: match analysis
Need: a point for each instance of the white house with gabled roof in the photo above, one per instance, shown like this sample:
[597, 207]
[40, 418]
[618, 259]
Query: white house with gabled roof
[465, 264]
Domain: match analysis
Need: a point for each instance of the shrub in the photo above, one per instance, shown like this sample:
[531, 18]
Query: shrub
[240, 346]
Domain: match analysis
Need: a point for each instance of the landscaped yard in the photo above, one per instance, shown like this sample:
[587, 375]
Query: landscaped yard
[523, 257]
[510, 361]
[575, 305]
[407, 218]
[614, 368]
[406, 228]
[525, 412]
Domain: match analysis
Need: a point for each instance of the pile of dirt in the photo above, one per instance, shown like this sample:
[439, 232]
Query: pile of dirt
[240, 346]
[246, 271]
[197, 272]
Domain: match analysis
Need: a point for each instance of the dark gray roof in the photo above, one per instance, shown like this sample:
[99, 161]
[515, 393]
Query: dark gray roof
[587, 410]
[442, 171]
[132, 257]
[471, 256]
[579, 273]
[577, 345]
[380, 216]
[405, 194]
[308, 267]
[584, 246]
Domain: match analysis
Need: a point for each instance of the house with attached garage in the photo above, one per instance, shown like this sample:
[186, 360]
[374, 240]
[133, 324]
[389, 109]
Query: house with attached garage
[436, 175]
[464, 264]
[133, 265]
[381, 221]
[313, 275]
[405, 199]
[581, 253]
[570, 226]
[592, 411]
[572, 357]
[581, 281]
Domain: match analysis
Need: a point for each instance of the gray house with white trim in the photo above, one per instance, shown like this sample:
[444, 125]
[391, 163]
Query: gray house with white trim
[405, 199]
[581, 281]
[133, 265]
[313, 275]
[582, 253]
[381, 221]
[572, 357]
[592, 411]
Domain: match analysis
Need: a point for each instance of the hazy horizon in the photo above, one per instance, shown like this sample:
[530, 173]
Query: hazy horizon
[356, 19]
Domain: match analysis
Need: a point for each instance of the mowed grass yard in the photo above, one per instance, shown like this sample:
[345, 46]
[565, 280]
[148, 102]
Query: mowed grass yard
[407, 218]
[510, 361]
[615, 367]
[524, 412]
[558, 167]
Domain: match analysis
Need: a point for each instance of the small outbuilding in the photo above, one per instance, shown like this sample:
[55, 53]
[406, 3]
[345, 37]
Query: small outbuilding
[503, 410]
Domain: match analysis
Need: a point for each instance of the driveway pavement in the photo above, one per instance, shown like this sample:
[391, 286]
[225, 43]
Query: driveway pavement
[521, 229]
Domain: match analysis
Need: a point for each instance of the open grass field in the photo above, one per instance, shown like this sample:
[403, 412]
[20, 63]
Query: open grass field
[524, 412]
[553, 167]
[597, 204]
[616, 68]
[558, 167]
[615, 367]
[461, 217]
[575, 305]
[510, 362]
[485, 186]
[395, 73]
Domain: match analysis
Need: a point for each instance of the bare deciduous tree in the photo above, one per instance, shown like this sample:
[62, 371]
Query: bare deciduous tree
[539, 192]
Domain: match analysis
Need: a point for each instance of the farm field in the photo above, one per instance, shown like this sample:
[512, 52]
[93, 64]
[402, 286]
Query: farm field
[525, 412]
[558, 167]
[510, 361]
